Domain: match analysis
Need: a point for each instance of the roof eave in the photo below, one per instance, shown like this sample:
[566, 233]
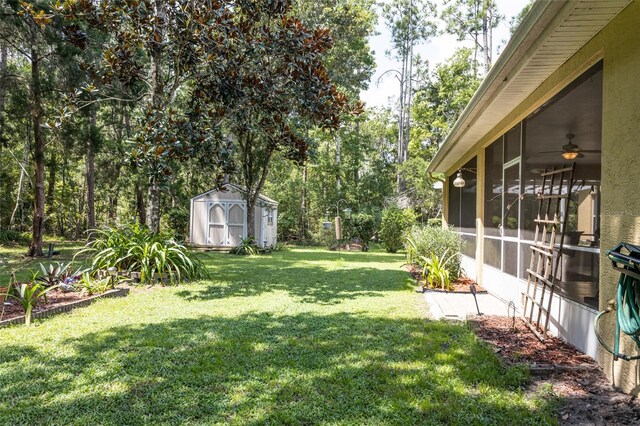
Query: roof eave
[539, 17]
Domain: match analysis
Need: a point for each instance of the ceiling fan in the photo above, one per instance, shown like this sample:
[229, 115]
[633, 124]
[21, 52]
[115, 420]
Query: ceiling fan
[572, 151]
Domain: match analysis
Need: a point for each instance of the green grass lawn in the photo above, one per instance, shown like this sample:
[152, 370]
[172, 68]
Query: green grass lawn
[305, 336]
[12, 259]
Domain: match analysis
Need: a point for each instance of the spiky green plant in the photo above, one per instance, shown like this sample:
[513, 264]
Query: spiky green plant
[247, 247]
[134, 248]
[92, 286]
[435, 270]
[55, 273]
[28, 295]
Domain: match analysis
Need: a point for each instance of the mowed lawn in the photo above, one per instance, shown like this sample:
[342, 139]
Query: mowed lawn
[305, 336]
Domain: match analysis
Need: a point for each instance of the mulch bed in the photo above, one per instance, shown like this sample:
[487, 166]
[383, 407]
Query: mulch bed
[55, 298]
[460, 285]
[585, 395]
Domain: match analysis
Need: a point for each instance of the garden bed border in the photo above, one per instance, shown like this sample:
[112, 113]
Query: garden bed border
[68, 307]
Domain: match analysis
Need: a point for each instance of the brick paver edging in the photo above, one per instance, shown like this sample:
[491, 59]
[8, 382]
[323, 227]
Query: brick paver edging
[118, 292]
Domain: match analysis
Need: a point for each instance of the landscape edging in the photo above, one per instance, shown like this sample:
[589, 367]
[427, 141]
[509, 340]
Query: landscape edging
[118, 292]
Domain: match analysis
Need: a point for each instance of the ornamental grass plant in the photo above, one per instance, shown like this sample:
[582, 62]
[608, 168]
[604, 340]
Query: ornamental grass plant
[133, 248]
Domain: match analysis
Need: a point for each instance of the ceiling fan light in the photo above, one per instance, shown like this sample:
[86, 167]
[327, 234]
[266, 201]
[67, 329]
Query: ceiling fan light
[570, 155]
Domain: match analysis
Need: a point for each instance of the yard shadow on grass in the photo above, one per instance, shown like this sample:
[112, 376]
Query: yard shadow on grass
[311, 281]
[308, 284]
[261, 368]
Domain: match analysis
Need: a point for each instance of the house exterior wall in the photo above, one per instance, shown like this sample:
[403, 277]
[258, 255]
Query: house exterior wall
[618, 46]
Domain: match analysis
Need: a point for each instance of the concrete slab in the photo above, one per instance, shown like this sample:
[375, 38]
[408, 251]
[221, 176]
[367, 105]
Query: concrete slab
[457, 306]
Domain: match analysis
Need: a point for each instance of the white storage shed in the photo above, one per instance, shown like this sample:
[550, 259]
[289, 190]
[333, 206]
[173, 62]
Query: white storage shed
[219, 219]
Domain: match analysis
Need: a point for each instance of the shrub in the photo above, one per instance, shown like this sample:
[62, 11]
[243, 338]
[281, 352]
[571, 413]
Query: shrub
[7, 236]
[134, 248]
[179, 222]
[363, 228]
[326, 236]
[395, 222]
[435, 222]
[429, 241]
[247, 247]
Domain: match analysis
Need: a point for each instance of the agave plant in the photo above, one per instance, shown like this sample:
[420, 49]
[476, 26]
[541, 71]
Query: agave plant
[28, 295]
[51, 274]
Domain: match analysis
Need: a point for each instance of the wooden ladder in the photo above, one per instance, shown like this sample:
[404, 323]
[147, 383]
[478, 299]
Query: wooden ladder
[545, 256]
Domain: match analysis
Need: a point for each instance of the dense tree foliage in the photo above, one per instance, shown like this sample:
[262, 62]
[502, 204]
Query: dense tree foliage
[121, 109]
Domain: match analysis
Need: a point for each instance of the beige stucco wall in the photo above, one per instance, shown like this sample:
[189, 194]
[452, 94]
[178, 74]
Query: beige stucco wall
[618, 44]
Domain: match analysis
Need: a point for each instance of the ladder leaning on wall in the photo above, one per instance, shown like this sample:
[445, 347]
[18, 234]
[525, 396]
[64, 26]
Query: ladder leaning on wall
[545, 254]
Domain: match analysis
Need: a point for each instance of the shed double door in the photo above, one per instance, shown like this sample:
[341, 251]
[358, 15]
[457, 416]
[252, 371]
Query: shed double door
[227, 223]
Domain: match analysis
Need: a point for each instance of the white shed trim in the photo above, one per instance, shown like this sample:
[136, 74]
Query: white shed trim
[226, 206]
[232, 186]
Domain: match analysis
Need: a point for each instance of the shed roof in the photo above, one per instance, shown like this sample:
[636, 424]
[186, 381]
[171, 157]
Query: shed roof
[549, 35]
[238, 188]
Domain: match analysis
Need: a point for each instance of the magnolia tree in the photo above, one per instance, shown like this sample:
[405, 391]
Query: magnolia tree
[199, 69]
[270, 88]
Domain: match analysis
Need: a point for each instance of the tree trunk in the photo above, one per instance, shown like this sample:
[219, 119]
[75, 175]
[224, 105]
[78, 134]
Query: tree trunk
[356, 162]
[90, 170]
[80, 217]
[251, 225]
[51, 185]
[252, 195]
[3, 73]
[157, 100]
[338, 161]
[35, 248]
[140, 207]
[409, 90]
[400, 130]
[23, 169]
[63, 226]
[409, 94]
[113, 208]
[303, 206]
[486, 41]
[153, 205]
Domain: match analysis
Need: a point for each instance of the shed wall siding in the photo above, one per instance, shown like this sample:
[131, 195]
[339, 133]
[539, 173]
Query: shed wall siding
[199, 222]
[200, 219]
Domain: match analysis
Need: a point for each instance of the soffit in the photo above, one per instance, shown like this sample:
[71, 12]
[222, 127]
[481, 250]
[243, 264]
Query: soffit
[549, 35]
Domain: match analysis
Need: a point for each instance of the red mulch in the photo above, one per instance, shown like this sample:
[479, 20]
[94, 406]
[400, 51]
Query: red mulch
[54, 298]
[519, 345]
[584, 393]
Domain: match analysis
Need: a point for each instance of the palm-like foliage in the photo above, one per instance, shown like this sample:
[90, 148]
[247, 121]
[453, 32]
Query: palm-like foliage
[28, 296]
[425, 241]
[133, 248]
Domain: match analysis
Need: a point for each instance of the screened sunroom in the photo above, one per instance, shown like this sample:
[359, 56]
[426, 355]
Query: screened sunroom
[564, 92]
